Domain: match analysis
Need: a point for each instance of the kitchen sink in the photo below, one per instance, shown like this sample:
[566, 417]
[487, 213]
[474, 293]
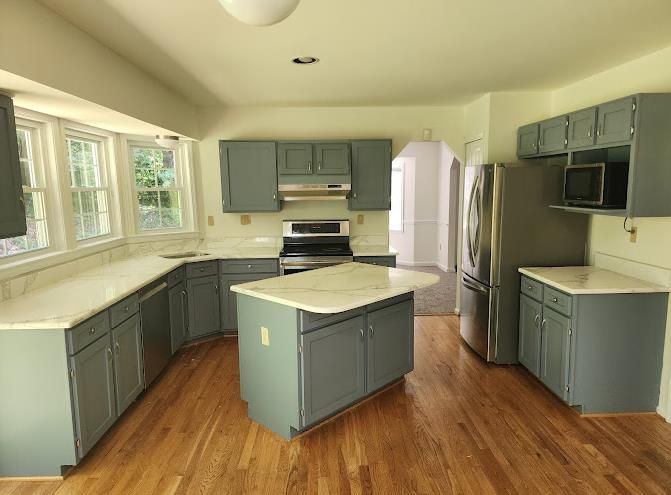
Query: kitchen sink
[188, 254]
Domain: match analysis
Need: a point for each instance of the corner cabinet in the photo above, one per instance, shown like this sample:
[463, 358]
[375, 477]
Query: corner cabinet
[599, 353]
[371, 175]
[248, 176]
[12, 209]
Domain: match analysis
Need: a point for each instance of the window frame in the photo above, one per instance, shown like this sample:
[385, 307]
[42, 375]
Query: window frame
[37, 152]
[102, 140]
[399, 168]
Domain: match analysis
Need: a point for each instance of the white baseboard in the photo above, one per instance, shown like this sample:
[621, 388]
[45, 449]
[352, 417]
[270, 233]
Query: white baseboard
[424, 263]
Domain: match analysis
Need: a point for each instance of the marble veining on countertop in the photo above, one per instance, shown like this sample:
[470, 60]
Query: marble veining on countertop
[590, 280]
[337, 288]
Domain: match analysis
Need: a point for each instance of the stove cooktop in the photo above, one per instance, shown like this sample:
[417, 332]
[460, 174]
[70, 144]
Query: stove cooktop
[316, 250]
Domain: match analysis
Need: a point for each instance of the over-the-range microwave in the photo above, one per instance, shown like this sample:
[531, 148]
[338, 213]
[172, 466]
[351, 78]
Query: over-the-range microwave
[598, 185]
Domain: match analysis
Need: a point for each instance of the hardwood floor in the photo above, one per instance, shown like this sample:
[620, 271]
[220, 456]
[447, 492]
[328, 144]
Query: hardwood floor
[456, 425]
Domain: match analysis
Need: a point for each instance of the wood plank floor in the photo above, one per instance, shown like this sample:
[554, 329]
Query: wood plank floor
[455, 425]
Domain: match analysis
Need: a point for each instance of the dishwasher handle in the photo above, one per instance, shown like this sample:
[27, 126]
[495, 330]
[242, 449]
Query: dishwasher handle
[153, 292]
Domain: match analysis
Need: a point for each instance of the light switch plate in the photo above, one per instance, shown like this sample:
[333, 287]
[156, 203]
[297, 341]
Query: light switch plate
[359, 219]
[265, 336]
[245, 219]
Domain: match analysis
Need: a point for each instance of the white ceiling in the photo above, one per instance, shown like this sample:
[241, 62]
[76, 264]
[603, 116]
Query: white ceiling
[373, 52]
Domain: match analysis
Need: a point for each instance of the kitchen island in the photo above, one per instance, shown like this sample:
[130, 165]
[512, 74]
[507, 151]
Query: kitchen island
[313, 343]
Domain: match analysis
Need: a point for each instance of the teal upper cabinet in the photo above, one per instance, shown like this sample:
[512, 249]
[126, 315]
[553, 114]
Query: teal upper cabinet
[294, 158]
[615, 122]
[12, 210]
[248, 176]
[552, 134]
[371, 175]
[527, 140]
[332, 158]
[582, 128]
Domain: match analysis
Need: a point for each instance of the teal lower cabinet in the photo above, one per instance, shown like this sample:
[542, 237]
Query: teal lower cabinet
[389, 261]
[599, 353]
[202, 287]
[299, 368]
[128, 362]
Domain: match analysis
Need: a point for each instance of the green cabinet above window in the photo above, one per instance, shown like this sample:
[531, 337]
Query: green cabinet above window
[310, 158]
[294, 158]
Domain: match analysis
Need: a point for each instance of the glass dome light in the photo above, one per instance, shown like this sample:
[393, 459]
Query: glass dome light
[260, 12]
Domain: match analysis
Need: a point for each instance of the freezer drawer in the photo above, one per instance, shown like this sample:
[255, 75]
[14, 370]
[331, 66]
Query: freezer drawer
[475, 325]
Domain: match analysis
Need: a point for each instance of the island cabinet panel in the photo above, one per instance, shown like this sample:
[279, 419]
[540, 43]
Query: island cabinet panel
[333, 369]
[371, 175]
[554, 369]
[530, 334]
[248, 176]
[390, 344]
[128, 362]
[93, 393]
[204, 306]
[178, 315]
[12, 209]
[389, 261]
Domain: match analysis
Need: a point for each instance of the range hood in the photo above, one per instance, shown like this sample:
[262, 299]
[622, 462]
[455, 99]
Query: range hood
[314, 192]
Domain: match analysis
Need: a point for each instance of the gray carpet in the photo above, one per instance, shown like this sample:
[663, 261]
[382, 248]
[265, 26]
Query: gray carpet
[438, 299]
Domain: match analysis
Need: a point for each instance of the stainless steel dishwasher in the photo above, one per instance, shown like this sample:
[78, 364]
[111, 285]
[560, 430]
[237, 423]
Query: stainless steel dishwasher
[155, 317]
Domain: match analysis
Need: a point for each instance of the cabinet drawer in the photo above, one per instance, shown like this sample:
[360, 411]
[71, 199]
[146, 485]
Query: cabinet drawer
[123, 310]
[312, 321]
[249, 266]
[202, 269]
[558, 301]
[389, 261]
[87, 333]
[531, 288]
[176, 277]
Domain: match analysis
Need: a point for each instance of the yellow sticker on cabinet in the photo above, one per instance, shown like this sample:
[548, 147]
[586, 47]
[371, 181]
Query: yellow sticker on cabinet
[265, 337]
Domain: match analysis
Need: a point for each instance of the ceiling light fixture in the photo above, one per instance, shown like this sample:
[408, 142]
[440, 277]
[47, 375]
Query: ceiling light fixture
[170, 142]
[260, 12]
[305, 60]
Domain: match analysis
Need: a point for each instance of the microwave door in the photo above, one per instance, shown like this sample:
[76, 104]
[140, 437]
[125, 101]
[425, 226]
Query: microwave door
[583, 184]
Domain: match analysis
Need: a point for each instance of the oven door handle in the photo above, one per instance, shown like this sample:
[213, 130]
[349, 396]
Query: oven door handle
[308, 263]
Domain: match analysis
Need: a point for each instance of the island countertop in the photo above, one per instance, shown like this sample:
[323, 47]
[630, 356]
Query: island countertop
[590, 280]
[338, 288]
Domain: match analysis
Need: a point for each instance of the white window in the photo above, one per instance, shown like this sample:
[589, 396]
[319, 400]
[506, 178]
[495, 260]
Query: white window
[159, 187]
[33, 181]
[88, 186]
[396, 212]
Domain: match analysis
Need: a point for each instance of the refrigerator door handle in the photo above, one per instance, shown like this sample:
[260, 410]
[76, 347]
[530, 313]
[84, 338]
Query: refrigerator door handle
[469, 222]
[473, 287]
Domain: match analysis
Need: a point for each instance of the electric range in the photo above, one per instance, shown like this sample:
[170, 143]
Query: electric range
[311, 244]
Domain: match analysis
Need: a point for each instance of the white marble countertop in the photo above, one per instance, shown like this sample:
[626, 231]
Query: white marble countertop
[590, 280]
[337, 288]
[369, 250]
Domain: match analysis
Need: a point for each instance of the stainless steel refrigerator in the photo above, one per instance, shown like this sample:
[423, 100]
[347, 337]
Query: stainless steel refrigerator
[508, 224]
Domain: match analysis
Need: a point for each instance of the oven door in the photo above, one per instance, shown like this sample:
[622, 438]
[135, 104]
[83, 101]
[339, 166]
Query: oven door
[583, 184]
[297, 265]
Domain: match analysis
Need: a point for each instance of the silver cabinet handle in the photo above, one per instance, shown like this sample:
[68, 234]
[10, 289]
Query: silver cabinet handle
[536, 318]
[372, 331]
[274, 197]
[589, 132]
[529, 287]
[361, 330]
[249, 267]
[554, 300]
[117, 348]
[543, 322]
[126, 309]
[354, 195]
[109, 352]
[319, 165]
[216, 288]
[309, 166]
[92, 331]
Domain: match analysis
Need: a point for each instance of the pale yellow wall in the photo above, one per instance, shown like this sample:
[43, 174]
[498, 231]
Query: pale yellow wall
[37, 44]
[651, 73]
[401, 124]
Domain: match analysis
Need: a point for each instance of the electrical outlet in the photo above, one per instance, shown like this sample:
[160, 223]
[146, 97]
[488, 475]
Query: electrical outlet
[245, 219]
[210, 220]
[633, 234]
[359, 219]
[265, 337]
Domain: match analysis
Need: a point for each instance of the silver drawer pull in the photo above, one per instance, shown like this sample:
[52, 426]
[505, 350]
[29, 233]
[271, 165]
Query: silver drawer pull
[126, 309]
[249, 266]
[554, 300]
[92, 330]
[536, 318]
[361, 330]
[529, 287]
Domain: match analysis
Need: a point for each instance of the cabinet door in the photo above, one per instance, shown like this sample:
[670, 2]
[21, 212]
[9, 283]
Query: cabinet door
[333, 368]
[93, 393]
[581, 128]
[371, 175]
[527, 140]
[229, 309]
[248, 176]
[389, 261]
[530, 334]
[178, 315]
[333, 158]
[12, 210]
[552, 134]
[294, 159]
[390, 344]
[204, 315]
[615, 121]
[555, 352]
[128, 362]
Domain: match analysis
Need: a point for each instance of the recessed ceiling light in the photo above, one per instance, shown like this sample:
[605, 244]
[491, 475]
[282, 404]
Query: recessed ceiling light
[305, 60]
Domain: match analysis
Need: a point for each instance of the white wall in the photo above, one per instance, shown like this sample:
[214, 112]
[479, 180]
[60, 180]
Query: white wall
[39, 45]
[401, 124]
[651, 73]
[404, 241]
